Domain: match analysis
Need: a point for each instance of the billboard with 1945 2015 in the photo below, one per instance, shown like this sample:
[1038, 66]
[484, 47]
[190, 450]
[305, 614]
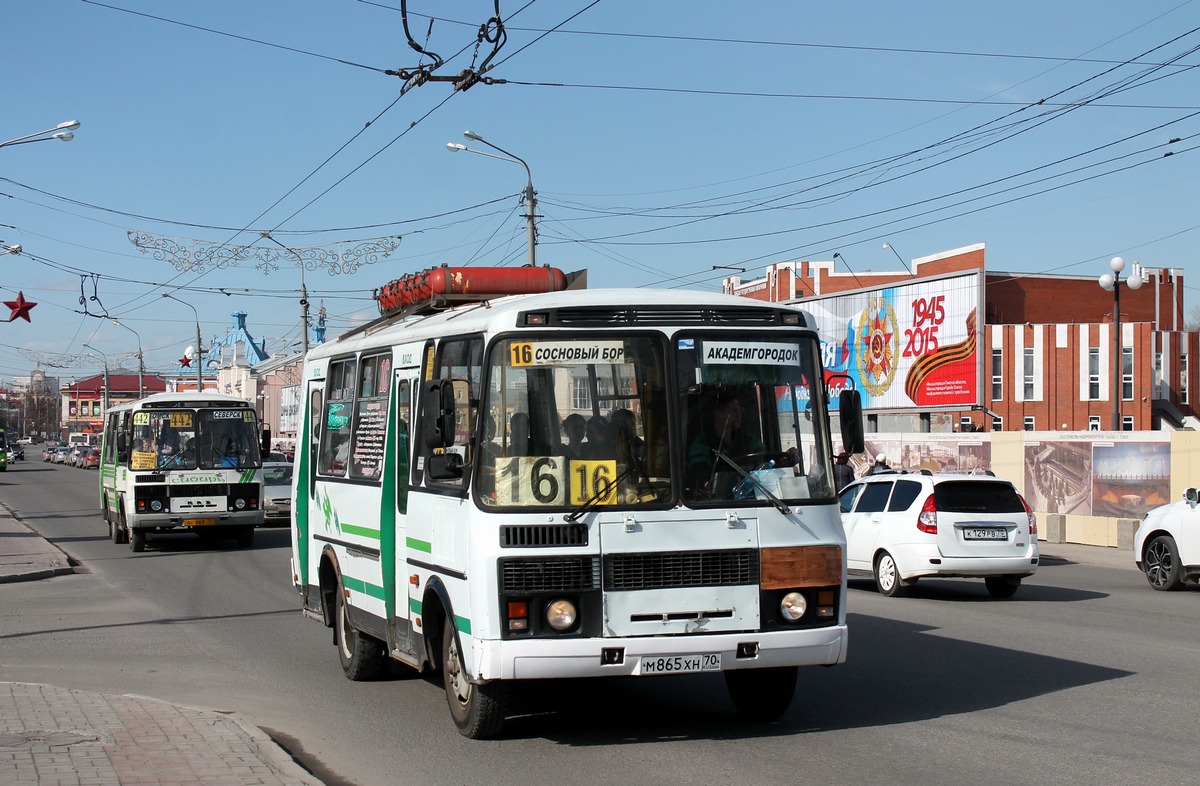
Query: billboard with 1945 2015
[907, 346]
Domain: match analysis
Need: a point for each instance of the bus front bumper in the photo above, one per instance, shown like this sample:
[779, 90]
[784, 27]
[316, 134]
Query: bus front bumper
[600, 657]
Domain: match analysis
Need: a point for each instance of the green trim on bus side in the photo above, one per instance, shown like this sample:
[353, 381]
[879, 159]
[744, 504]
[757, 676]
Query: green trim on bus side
[358, 585]
[362, 532]
[304, 490]
[463, 624]
[387, 509]
[419, 545]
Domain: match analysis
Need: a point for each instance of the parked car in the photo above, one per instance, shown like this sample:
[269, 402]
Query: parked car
[1166, 545]
[904, 526]
[61, 453]
[277, 492]
[90, 459]
[48, 452]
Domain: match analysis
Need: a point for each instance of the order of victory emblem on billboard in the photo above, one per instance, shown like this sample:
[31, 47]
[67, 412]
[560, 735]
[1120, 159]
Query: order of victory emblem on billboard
[880, 346]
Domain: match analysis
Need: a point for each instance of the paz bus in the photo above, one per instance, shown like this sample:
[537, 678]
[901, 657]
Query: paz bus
[178, 462]
[450, 515]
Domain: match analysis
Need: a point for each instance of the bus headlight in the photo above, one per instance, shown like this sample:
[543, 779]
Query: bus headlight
[561, 615]
[792, 606]
[156, 505]
[239, 503]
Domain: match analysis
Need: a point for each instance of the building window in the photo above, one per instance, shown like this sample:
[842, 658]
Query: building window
[1158, 374]
[1127, 423]
[1093, 422]
[965, 424]
[1030, 423]
[997, 375]
[581, 398]
[1127, 373]
[1093, 374]
[997, 423]
[1183, 379]
[1030, 393]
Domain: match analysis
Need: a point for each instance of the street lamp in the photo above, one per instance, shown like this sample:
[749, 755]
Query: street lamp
[1112, 283]
[141, 359]
[530, 194]
[61, 131]
[103, 359]
[897, 253]
[199, 351]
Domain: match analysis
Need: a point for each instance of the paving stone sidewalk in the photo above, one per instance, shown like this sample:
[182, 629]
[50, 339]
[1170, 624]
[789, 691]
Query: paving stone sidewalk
[51, 736]
[26, 555]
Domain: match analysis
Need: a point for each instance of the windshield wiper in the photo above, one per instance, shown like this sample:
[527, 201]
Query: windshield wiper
[601, 493]
[776, 501]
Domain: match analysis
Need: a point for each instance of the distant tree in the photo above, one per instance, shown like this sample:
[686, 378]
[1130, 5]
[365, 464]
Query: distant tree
[1192, 323]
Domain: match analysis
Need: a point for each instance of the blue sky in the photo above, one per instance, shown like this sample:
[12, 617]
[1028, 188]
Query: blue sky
[665, 139]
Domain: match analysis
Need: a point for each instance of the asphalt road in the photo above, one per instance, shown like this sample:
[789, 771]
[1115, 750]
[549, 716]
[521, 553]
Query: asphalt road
[1086, 675]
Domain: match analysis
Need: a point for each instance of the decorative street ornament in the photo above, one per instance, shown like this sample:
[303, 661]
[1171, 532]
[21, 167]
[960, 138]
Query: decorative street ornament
[20, 307]
[189, 255]
[185, 361]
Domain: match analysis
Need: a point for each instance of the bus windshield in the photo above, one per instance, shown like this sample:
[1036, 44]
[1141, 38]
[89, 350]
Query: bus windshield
[191, 439]
[570, 422]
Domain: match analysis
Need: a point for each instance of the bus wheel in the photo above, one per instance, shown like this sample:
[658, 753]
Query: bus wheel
[120, 534]
[362, 656]
[245, 537]
[762, 694]
[137, 540]
[477, 710]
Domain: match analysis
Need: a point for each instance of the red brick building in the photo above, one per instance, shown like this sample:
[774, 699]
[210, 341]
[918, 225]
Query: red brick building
[1046, 344]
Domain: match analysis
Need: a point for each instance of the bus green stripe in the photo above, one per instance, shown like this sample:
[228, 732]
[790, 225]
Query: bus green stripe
[362, 532]
[461, 623]
[358, 585]
[419, 545]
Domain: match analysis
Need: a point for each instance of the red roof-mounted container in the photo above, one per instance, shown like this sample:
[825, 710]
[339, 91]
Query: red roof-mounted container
[443, 286]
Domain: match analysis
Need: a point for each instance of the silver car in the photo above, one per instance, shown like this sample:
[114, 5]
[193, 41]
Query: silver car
[277, 493]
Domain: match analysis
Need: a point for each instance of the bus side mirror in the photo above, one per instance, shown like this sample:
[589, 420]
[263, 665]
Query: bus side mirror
[437, 414]
[266, 439]
[444, 466]
[122, 443]
[851, 420]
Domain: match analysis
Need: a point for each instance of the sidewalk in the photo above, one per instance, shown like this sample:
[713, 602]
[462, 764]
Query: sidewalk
[51, 736]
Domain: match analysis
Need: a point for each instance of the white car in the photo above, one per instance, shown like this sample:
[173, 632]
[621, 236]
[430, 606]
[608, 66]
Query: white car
[904, 526]
[1166, 545]
[277, 493]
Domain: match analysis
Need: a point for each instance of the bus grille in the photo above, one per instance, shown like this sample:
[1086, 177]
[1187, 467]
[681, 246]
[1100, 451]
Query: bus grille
[514, 536]
[520, 575]
[664, 570]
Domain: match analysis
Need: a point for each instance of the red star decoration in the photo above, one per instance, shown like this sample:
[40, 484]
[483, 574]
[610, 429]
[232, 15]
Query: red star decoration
[185, 361]
[20, 307]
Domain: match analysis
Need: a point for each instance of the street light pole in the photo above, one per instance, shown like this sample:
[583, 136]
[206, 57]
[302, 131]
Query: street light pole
[199, 349]
[1112, 282]
[104, 360]
[530, 194]
[140, 357]
[61, 131]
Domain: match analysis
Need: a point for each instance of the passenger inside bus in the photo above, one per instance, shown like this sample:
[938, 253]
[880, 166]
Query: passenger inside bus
[599, 440]
[575, 428]
[520, 441]
[722, 433]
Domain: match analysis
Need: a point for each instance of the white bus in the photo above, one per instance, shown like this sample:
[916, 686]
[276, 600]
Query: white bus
[449, 516]
[179, 462]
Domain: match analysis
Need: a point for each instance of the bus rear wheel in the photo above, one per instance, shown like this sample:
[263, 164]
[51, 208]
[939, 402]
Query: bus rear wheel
[762, 694]
[362, 656]
[477, 709]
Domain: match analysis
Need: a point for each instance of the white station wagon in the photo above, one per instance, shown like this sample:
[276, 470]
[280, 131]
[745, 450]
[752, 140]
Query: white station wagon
[1166, 545]
[904, 526]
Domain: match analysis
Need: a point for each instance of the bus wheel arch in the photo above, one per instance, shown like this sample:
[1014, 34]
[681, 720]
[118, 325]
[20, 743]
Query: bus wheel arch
[329, 580]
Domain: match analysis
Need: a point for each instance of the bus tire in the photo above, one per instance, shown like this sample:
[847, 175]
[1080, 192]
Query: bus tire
[762, 694]
[137, 540]
[477, 709]
[245, 537]
[362, 656]
[120, 535]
